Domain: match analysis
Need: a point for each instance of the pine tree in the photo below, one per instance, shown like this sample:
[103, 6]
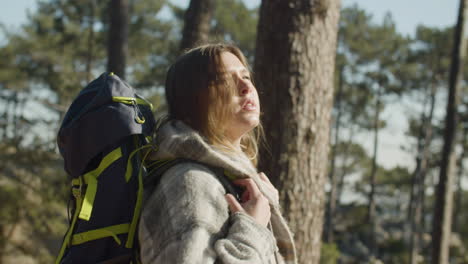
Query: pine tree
[117, 43]
[444, 200]
[294, 65]
[197, 23]
[430, 61]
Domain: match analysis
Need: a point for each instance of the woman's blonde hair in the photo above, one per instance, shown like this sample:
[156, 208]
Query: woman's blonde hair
[199, 93]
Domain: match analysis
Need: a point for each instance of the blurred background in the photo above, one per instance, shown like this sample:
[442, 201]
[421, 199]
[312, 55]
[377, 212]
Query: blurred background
[392, 68]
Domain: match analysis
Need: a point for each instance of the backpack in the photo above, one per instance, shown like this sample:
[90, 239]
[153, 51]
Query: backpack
[104, 140]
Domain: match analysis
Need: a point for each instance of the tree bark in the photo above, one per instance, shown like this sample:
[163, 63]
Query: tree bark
[197, 23]
[444, 200]
[294, 65]
[117, 48]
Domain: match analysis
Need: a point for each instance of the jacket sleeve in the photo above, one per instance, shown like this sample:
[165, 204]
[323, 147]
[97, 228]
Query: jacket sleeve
[186, 220]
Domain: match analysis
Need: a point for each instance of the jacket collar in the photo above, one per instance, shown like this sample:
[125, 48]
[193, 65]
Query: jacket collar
[175, 139]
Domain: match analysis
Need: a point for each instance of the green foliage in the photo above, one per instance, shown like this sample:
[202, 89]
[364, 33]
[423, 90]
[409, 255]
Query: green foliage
[357, 215]
[397, 177]
[369, 60]
[351, 158]
[234, 22]
[11, 202]
[34, 193]
[353, 96]
[461, 228]
[152, 44]
[395, 249]
[329, 253]
[63, 46]
[430, 57]
[431, 52]
[376, 63]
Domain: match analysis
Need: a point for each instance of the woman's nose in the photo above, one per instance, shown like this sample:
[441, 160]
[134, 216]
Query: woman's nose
[244, 87]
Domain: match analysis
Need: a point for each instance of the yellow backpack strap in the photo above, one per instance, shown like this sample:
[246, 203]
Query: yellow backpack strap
[136, 212]
[129, 170]
[113, 231]
[67, 239]
[90, 179]
[230, 175]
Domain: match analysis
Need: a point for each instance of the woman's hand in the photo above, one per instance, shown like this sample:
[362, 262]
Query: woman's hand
[253, 202]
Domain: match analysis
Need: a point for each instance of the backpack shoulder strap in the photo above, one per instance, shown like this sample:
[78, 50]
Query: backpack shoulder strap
[159, 167]
[155, 170]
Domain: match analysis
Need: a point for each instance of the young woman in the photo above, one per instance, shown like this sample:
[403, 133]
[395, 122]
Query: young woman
[192, 215]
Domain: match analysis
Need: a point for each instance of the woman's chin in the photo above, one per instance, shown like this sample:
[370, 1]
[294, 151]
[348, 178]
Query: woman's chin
[252, 121]
[251, 117]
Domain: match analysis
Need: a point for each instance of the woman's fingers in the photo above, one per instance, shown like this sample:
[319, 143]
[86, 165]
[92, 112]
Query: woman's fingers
[253, 202]
[245, 197]
[234, 205]
[252, 188]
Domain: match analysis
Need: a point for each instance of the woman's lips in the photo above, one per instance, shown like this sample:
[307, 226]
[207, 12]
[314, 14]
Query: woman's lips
[249, 105]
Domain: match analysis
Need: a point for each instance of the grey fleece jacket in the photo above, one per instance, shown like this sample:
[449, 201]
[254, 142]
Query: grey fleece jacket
[186, 219]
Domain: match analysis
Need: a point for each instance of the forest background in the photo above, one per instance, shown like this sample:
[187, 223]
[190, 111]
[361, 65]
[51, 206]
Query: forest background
[47, 59]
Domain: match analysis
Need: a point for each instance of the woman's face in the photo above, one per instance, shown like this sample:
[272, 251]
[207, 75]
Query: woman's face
[245, 103]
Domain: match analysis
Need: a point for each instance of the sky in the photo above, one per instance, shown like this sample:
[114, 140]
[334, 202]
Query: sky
[407, 14]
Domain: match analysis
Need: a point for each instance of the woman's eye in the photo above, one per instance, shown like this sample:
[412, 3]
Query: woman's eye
[246, 77]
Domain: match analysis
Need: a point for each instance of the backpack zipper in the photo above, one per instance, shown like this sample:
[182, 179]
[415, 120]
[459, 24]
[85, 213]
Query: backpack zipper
[131, 101]
[139, 118]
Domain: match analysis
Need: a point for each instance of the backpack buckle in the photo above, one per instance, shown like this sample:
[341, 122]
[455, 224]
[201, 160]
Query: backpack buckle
[139, 118]
[77, 187]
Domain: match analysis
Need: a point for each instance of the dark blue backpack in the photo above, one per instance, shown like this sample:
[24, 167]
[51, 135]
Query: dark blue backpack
[103, 140]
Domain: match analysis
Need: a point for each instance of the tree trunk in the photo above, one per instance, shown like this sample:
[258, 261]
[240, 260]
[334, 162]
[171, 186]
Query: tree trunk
[3, 242]
[459, 193]
[15, 136]
[197, 23]
[417, 215]
[345, 171]
[294, 65]
[4, 123]
[330, 212]
[415, 205]
[117, 48]
[443, 206]
[89, 54]
[9, 116]
[371, 211]
[419, 153]
[373, 173]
